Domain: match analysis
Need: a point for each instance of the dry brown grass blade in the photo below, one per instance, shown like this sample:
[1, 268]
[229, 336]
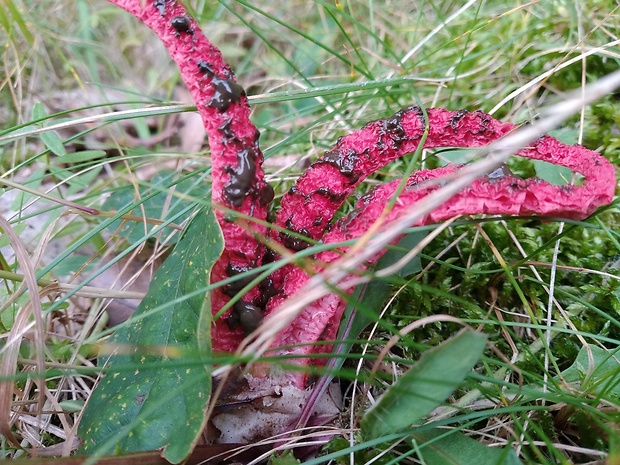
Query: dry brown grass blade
[212, 455]
[93, 292]
[9, 355]
[44, 195]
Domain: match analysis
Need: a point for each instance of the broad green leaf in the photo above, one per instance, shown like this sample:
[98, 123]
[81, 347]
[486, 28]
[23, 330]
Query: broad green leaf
[556, 174]
[159, 206]
[443, 447]
[157, 382]
[49, 138]
[425, 386]
[602, 378]
[76, 183]
[455, 155]
[567, 135]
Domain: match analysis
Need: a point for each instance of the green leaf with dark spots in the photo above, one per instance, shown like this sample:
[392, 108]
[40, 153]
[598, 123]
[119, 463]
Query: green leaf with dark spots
[157, 381]
[425, 386]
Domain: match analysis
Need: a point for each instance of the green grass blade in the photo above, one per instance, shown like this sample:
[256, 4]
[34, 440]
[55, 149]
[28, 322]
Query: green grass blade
[18, 19]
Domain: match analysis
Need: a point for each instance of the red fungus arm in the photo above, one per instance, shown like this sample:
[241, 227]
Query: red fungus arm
[506, 195]
[310, 205]
[236, 159]
[308, 208]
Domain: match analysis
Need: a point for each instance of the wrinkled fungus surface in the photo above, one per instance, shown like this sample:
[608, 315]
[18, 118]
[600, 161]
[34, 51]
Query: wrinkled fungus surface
[308, 209]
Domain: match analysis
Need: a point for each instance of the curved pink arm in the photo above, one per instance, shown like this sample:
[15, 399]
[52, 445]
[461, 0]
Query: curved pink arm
[309, 206]
[506, 195]
[236, 159]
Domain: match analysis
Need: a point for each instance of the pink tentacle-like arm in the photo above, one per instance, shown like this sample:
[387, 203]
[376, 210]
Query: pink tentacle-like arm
[501, 194]
[238, 183]
[309, 206]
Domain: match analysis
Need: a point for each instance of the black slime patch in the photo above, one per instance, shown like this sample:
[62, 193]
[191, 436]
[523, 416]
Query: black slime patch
[226, 92]
[393, 128]
[344, 162]
[484, 122]
[334, 197]
[205, 68]
[242, 177]
[161, 6]
[233, 288]
[267, 291]
[181, 24]
[318, 221]
[247, 315]
[456, 118]
[265, 195]
[292, 242]
[418, 112]
[344, 223]
[226, 129]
